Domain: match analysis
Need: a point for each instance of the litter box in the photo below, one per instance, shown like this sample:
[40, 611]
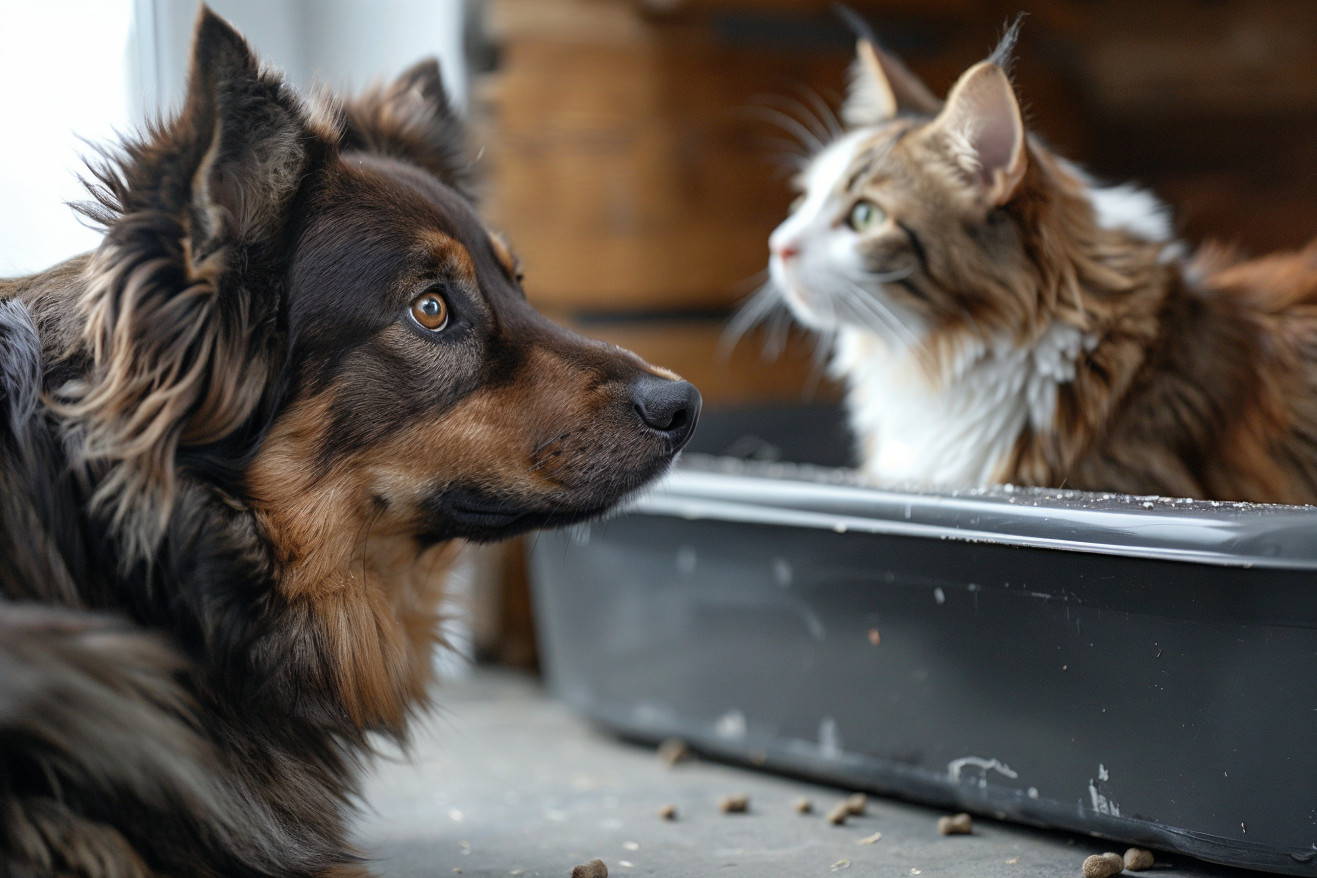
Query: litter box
[1142, 669]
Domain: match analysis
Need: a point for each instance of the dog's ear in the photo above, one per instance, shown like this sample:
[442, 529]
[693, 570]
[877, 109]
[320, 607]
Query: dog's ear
[256, 138]
[412, 119]
[181, 310]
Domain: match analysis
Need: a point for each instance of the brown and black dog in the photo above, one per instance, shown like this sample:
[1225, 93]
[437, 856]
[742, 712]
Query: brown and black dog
[239, 444]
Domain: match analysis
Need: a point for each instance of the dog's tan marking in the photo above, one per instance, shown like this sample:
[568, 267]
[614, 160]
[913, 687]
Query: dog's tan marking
[450, 254]
[343, 538]
[505, 255]
[371, 588]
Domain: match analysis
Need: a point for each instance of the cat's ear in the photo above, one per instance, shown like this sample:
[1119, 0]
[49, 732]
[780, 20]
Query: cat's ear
[881, 86]
[981, 129]
[870, 99]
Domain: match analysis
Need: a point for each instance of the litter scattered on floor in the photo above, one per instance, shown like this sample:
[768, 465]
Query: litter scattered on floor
[956, 824]
[737, 803]
[673, 750]
[593, 869]
[837, 816]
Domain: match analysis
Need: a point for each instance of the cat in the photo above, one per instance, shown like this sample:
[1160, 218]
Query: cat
[998, 317]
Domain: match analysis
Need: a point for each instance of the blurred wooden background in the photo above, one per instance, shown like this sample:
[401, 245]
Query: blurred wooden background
[628, 159]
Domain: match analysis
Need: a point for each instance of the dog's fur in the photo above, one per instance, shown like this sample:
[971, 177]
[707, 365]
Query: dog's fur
[234, 467]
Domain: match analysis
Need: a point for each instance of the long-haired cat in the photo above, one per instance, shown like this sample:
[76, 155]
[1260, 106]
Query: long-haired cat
[997, 317]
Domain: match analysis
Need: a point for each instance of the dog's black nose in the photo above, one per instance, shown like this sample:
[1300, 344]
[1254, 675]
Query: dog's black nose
[666, 406]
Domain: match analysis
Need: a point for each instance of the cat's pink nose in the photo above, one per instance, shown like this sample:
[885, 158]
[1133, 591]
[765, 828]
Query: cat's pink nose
[785, 252]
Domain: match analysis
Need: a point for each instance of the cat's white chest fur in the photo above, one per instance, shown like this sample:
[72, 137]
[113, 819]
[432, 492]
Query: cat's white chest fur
[961, 431]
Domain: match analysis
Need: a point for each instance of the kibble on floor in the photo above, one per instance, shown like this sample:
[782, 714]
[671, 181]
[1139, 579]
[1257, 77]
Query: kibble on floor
[1103, 865]
[593, 869]
[577, 794]
[737, 803]
[673, 750]
[1137, 860]
[837, 816]
[956, 824]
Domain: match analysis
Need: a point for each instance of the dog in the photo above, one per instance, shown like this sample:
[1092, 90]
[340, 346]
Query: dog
[240, 443]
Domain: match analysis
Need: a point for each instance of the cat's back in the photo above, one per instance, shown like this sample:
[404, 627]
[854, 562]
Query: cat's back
[1225, 406]
[1276, 295]
[1278, 284]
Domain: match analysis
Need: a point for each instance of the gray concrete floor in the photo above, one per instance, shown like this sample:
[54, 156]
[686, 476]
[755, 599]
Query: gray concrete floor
[503, 781]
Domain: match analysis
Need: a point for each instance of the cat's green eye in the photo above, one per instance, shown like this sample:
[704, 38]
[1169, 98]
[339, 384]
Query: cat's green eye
[865, 215]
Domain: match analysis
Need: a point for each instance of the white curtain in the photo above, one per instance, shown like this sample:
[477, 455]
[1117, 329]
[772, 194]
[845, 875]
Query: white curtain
[91, 69]
[66, 71]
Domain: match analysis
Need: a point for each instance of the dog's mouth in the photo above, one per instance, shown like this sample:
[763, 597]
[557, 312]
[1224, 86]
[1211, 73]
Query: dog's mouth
[477, 516]
[468, 514]
[483, 524]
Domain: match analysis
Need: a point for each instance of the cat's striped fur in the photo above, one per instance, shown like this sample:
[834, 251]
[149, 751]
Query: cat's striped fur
[999, 318]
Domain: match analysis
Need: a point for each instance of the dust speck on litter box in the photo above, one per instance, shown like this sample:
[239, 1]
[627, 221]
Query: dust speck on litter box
[673, 750]
[957, 824]
[736, 803]
[668, 812]
[1103, 865]
[1137, 859]
[837, 816]
[870, 839]
[593, 869]
[805, 805]
[857, 804]
[841, 864]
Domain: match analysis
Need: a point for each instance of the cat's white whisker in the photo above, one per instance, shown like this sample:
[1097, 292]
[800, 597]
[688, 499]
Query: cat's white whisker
[807, 116]
[824, 113]
[825, 343]
[789, 154]
[791, 125]
[756, 310]
[853, 293]
[766, 308]
[776, 334]
[869, 308]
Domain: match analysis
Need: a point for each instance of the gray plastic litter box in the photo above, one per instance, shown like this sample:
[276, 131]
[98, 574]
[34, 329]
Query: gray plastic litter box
[1137, 668]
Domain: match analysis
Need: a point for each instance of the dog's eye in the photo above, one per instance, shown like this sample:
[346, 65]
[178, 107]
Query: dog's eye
[431, 311]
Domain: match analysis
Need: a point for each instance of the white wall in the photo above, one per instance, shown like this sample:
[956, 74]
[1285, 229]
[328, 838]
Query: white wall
[65, 72]
[72, 69]
[346, 44]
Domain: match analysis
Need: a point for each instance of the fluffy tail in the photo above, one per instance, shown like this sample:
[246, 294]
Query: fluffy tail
[94, 733]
